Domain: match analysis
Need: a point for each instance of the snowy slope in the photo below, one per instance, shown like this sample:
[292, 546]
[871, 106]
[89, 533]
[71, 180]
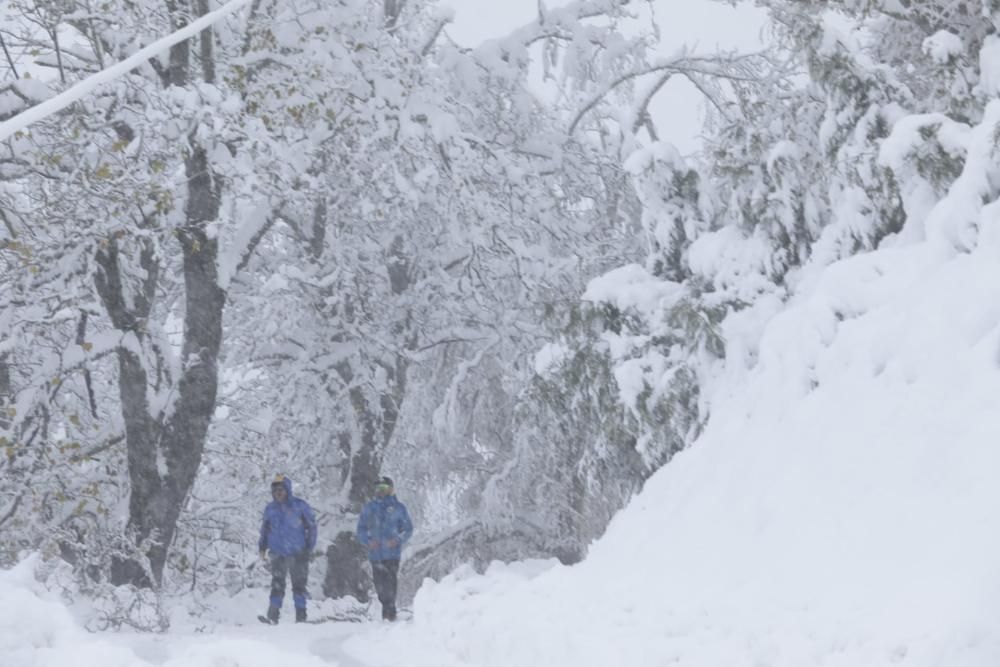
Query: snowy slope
[841, 508]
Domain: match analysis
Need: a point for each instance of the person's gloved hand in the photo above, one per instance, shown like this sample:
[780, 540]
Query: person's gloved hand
[373, 544]
[391, 543]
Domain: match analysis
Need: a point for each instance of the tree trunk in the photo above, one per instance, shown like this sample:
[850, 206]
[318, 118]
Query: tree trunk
[347, 560]
[186, 428]
[164, 451]
[375, 418]
[6, 393]
[366, 463]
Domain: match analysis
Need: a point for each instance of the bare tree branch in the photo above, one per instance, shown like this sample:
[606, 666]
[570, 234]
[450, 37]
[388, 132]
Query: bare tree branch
[10, 60]
[714, 66]
[7, 224]
[6, 517]
[253, 243]
[435, 33]
[642, 110]
[94, 451]
[59, 60]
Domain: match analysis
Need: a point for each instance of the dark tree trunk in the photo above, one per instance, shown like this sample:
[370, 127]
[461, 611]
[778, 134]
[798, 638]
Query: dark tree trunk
[5, 391]
[164, 451]
[186, 427]
[391, 10]
[140, 431]
[179, 58]
[347, 561]
[375, 419]
[366, 464]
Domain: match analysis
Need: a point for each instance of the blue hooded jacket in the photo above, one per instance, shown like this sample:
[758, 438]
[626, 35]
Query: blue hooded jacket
[288, 527]
[382, 520]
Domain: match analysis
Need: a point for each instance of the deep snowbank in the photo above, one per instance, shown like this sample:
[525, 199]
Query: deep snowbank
[36, 632]
[841, 508]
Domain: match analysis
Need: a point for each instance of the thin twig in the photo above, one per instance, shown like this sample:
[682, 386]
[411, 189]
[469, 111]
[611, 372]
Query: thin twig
[10, 60]
[94, 451]
[55, 42]
[678, 65]
[254, 242]
[7, 223]
[12, 510]
[642, 114]
[98, 47]
[429, 43]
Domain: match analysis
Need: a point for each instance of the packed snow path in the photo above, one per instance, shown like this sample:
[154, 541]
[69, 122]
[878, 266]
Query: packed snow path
[252, 644]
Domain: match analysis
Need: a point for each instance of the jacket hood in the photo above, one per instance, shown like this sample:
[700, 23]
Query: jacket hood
[286, 482]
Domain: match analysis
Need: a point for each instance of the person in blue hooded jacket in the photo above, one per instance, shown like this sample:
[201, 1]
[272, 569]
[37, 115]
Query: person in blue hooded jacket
[384, 527]
[288, 535]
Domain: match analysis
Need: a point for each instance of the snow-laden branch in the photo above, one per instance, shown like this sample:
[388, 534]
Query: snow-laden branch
[67, 97]
[236, 257]
[551, 22]
[713, 66]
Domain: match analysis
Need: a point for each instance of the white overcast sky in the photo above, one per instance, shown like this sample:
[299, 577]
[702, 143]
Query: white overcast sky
[709, 25]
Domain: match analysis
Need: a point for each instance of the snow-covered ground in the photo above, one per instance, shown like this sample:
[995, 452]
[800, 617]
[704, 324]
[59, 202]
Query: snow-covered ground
[840, 510]
[37, 630]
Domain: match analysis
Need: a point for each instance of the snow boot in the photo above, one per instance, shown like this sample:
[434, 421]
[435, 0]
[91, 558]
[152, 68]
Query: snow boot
[300, 615]
[272, 614]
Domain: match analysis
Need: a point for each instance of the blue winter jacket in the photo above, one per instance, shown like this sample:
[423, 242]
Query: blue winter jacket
[382, 520]
[288, 527]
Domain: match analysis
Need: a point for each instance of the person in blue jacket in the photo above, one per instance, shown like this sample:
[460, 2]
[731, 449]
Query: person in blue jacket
[384, 527]
[288, 534]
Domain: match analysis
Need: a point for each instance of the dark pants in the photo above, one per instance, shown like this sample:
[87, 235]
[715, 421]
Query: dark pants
[298, 566]
[384, 573]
